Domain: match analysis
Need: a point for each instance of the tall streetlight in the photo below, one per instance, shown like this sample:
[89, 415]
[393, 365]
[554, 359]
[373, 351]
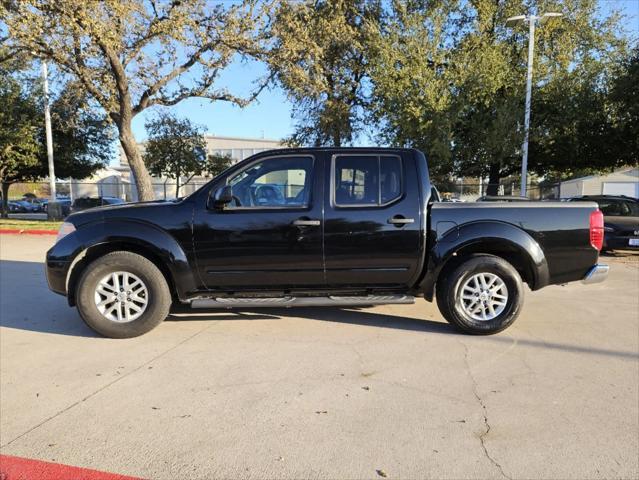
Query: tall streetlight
[532, 20]
[47, 130]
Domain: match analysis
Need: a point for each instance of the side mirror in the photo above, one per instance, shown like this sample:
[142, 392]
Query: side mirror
[221, 197]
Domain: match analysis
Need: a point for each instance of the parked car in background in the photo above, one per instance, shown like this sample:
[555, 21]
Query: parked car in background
[84, 203]
[24, 206]
[15, 207]
[621, 220]
[66, 206]
[37, 204]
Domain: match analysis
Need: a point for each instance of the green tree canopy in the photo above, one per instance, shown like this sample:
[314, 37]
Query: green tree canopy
[624, 98]
[449, 77]
[216, 164]
[82, 135]
[320, 60]
[82, 140]
[19, 135]
[132, 54]
[413, 80]
[175, 148]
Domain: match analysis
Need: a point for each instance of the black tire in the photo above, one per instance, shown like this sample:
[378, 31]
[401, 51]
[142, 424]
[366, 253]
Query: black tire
[158, 300]
[449, 289]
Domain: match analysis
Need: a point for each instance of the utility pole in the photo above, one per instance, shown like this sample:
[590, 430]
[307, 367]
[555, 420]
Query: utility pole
[532, 20]
[49, 135]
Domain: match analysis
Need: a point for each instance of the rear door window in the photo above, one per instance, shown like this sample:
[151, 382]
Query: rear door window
[366, 180]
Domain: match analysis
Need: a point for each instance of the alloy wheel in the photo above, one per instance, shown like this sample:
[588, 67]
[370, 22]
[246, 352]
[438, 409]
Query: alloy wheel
[121, 297]
[483, 296]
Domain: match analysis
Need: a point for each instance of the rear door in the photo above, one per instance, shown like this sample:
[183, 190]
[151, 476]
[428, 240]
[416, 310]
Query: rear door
[372, 220]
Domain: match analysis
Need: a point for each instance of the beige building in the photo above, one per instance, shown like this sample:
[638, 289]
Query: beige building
[620, 182]
[237, 148]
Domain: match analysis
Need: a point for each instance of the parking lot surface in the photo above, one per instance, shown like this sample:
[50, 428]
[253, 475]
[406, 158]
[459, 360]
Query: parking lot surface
[324, 393]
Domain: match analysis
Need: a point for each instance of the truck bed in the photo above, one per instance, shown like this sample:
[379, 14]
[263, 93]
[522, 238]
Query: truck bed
[561, 230]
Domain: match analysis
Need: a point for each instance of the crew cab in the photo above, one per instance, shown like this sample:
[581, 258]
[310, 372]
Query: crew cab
[320, 227]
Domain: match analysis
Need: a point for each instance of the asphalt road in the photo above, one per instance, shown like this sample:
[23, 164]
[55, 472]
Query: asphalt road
[324, 393]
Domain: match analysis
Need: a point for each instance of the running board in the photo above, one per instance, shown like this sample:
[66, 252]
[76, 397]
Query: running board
[287, 302]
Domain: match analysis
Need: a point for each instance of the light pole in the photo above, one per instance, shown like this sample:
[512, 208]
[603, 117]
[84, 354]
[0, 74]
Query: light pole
[47, 129]
[532, 20]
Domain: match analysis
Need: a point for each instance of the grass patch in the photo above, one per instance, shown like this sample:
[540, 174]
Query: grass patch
[14, 223]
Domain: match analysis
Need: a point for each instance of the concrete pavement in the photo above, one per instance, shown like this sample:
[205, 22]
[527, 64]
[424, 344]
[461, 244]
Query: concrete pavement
[324, 393]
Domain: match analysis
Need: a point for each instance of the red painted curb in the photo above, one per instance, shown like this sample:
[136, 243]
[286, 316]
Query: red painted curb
[22, 231]
[17, 468]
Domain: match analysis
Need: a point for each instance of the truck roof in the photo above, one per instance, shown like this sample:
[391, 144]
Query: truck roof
[341, 149]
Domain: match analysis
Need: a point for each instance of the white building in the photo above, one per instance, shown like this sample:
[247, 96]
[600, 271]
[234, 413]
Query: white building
[107, 182]
[620, 182]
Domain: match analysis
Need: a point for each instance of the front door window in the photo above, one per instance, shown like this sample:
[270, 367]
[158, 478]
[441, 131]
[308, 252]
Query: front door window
[280, 182]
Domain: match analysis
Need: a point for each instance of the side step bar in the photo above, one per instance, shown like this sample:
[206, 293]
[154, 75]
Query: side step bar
[287, 302]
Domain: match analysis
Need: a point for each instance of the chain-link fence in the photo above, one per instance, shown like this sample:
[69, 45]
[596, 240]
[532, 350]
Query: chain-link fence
[469, 192]
[112, 189]
[32, 197]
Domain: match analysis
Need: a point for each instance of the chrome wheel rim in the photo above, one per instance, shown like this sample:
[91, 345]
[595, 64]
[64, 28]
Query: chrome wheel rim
[483, 296]
[121, 297]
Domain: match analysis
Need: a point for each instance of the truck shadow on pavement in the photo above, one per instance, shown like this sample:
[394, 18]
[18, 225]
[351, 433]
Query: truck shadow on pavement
[27, 304]
[358, 316]
[347, 315]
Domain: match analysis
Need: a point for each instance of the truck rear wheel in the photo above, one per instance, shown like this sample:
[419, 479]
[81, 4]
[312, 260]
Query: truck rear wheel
[481, 295]
[122, 295]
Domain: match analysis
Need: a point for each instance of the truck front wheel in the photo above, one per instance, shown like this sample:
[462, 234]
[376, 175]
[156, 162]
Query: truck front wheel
[122, 295]
[481, 295]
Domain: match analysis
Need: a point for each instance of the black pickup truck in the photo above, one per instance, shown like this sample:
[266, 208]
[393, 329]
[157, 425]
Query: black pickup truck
[320, 227]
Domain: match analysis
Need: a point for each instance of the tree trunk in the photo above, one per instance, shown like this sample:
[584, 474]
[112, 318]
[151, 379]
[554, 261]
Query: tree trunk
[493, 179]
[337, 137]
[141, 174]
[177, 183]
[5, 199]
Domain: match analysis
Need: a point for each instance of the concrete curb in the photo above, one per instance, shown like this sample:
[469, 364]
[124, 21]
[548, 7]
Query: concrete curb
[22, 231]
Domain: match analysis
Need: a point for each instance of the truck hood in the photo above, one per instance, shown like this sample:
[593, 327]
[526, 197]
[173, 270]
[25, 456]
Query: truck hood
[122, 210]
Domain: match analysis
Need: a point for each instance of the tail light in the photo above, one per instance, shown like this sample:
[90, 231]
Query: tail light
[596, 229]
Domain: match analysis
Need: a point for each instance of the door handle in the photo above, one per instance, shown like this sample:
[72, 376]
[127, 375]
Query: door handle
[399, 220]
[306, 223]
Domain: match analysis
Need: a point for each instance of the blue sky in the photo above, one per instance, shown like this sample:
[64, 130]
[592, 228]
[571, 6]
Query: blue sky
[270, 115]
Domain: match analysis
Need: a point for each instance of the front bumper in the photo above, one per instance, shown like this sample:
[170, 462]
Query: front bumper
[597, 273]
[56, 273]
[58, 261]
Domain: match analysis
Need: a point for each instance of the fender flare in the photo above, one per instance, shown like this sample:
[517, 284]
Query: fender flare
[492, 234]
[142, 236]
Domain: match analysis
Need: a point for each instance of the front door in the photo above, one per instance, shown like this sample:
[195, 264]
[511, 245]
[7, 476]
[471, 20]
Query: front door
[270, 236]
[373, 221]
